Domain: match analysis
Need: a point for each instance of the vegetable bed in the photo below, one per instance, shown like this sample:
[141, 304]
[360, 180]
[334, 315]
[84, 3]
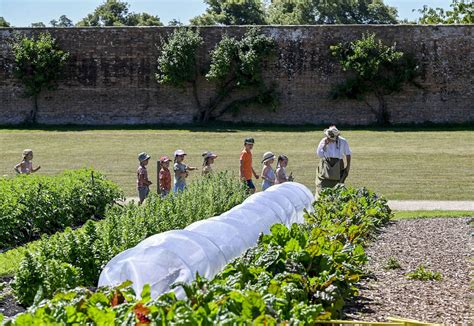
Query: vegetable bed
[298, 275]
[32, 205]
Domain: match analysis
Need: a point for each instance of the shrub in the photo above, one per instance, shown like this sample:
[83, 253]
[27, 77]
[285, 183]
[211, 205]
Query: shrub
[82, 253]
[32, 205]
[293, 276]
[423, 274]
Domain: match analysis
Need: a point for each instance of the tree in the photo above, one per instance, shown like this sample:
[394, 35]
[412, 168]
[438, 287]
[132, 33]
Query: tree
[63, 22]
[175, 22]
[38, 24]
[235, 65]
[115, 13]
[462, 13]
[3, 22]
[374, 68]
[330, 12]
[232, 12]
[39, 64]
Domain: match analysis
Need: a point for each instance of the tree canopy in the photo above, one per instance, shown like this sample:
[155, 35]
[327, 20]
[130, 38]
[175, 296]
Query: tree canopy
[116, 13]
[232, 12]
[462, 12]
[3, 22]
[312, 12]
[62, 22]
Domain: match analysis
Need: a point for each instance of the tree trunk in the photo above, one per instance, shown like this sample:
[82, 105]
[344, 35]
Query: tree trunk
[32, 118]
[383, 116]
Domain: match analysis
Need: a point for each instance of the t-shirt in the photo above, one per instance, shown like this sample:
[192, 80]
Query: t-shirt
[246, 158]
[142, 177]
[207, 169]
[336, 150]
[179, 167]
[165, 179]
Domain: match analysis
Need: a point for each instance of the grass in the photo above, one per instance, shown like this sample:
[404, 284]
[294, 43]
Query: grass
[399, 215]
[398, 163]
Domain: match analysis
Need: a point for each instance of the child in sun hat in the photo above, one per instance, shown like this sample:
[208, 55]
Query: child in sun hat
[208, 161]
[268, 175]
[180, 170]
[143, 184]
[246, 170]
[165, 176]
[26, 166]
[281, 170]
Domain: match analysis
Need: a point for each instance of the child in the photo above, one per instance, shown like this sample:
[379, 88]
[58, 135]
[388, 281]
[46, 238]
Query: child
[25, 166]
[180, 170]
[281, 170]
[268, 175]
[165, 176]
[208, 161]
[246, 169]
[143, 184]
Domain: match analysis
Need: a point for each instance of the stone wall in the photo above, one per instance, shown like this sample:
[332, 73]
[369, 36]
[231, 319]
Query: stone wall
[109, 78]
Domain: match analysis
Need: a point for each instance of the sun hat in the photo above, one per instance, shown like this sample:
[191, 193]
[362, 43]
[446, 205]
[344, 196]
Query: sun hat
[209, 154]
[164, 159]
[268, 156]
[332, 132]
[249, 140]
[143, 156]
[27, 152]
[179, 152]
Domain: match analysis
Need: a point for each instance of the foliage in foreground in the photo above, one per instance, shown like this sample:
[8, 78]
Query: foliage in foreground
[32, 205]
[298, 275]
[76, 257]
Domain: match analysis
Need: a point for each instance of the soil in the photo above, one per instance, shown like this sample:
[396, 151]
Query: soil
[8, 305]
[442, 245]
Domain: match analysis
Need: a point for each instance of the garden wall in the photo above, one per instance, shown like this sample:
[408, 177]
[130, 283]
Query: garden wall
[109, 78]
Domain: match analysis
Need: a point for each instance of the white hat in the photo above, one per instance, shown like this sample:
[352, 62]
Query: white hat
[209, 154]
[268, 156]
[179, 152]
[332, 132]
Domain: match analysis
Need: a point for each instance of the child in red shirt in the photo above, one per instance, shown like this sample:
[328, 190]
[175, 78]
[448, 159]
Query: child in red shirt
[165, 176]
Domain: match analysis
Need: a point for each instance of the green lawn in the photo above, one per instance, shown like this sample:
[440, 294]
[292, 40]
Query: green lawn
[400, 215]
[399, 163]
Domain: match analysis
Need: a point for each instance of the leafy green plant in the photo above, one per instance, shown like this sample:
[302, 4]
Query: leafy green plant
[39, 64]
[374, 68]
[236, 64]
[392, 263]
[76, 257]
[423, 274]
[462, 12]
[32, 205]
[296, 276]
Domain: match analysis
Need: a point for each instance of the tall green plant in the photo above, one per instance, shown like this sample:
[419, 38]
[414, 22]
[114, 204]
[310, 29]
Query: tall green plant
[462, 12]
[76, 257]
[39, 64]
[236, 64]
[373, 68]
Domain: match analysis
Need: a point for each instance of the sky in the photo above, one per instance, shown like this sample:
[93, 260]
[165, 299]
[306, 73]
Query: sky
[24, 12]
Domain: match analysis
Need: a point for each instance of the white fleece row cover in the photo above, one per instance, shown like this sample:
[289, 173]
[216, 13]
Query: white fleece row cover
[206, 246]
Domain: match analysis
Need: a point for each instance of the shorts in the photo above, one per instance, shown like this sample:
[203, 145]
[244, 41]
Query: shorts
[250, 184]
[143, 193]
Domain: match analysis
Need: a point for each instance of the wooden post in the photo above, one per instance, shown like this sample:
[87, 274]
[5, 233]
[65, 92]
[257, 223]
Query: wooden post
[158, 168]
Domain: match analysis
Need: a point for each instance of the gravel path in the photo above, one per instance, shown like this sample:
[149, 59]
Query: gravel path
[442, 245]
[431, 205]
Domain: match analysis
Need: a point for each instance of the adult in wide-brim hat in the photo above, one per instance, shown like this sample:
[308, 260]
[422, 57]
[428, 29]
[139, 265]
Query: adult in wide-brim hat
[332, 150]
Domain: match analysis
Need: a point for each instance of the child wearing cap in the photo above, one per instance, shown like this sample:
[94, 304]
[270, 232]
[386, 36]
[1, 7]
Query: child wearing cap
[143, 184]
[208, 161]
[165, 176]
[268, 175]
[246, 169]
[180, 170]
[26, 166]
